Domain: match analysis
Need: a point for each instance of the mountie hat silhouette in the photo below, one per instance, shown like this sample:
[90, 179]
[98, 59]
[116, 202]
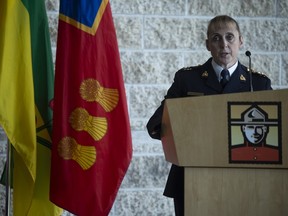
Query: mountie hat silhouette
[255, 116]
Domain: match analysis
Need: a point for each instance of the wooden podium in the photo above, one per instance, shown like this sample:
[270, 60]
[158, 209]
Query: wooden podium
[224, 175]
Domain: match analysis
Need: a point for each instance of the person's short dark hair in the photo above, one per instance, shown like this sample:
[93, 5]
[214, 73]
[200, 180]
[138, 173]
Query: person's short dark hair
[222, 21]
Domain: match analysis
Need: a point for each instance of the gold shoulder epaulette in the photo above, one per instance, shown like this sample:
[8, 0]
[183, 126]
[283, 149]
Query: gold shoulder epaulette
[187, 68]
[191, 67]
[259, 73]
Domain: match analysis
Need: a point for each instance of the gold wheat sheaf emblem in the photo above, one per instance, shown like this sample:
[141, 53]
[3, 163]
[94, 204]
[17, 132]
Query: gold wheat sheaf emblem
[69, 149]
[91, 90]
[80, 120]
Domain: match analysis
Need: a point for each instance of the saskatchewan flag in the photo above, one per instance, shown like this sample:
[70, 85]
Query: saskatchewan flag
[26, 89]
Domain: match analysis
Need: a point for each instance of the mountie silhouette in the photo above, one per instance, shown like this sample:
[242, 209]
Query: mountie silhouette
[255, 127]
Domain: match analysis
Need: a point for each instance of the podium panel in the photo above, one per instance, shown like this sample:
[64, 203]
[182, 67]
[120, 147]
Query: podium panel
[236, 192]
[234, 150]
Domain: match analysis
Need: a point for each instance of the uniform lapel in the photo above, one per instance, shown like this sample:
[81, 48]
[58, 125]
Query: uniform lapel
[211, 78]
[239, 81]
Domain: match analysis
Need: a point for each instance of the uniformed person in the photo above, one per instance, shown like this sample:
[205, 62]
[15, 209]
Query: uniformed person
[224, 40]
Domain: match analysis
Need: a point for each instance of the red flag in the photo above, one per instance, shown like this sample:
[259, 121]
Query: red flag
[92, 146]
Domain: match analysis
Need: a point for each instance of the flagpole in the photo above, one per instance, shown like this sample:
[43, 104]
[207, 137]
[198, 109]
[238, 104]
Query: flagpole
[8, 179]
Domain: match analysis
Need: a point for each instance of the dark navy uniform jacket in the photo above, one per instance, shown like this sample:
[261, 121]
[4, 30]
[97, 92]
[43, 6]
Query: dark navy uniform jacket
[202, 79]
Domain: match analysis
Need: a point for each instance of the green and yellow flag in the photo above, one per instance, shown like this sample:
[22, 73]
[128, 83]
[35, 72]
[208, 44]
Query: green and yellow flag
[26, 88]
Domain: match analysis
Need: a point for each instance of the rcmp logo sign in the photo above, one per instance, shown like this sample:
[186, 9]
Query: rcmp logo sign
[255, 132]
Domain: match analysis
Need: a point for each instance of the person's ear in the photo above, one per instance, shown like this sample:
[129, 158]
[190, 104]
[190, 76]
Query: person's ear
[241, 41]
[207, 45]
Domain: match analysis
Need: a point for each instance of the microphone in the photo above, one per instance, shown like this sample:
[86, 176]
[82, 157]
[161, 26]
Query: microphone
[248, 53]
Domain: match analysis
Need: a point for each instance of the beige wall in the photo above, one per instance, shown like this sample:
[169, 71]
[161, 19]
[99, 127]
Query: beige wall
[156, 38]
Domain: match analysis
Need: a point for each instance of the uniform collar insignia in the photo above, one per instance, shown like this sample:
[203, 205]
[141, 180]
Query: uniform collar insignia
[205, 74]
[242, 78]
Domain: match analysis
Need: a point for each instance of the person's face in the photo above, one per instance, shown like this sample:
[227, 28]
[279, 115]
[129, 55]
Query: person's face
[254, 133]
[224, 44]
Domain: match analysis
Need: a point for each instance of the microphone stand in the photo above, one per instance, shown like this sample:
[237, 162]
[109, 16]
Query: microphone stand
[248, 53]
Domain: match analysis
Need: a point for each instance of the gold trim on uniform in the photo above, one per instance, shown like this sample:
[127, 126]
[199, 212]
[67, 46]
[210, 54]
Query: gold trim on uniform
[259, 73]
[187, 68]
[242, 78]
[205, 74]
